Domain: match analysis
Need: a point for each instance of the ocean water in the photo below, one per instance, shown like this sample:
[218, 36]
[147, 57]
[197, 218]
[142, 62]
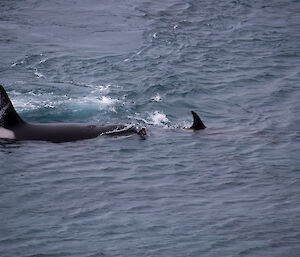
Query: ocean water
[230, 190]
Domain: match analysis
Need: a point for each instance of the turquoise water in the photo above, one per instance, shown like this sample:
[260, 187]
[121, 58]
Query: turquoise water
[230, 190]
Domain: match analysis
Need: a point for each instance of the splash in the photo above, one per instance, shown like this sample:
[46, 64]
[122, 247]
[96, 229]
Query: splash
[96, 99]
[38, 74]
[101, 88]
[106, 100]
[159, 119]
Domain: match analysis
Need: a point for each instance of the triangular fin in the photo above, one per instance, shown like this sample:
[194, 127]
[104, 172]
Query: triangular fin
[8, 115]
[197, 124]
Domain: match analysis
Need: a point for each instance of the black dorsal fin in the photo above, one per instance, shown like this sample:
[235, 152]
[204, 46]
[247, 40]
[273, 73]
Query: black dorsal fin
[197, 124]
[8, 115]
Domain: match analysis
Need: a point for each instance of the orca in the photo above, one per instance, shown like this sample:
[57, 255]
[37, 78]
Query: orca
[12, 126]
[197, 124]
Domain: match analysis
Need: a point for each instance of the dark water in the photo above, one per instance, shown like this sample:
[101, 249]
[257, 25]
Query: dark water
[231, 190]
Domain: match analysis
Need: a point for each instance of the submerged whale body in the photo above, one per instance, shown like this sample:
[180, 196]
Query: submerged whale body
[12, 126]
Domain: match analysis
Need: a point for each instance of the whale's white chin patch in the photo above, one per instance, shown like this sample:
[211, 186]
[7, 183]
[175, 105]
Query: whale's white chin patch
[7, 134]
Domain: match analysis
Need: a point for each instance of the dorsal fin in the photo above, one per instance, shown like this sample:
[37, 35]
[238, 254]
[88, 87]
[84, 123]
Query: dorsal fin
[197, 124]
[8, 115]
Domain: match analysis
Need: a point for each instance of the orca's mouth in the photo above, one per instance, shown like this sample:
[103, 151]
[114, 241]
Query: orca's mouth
[142, 131]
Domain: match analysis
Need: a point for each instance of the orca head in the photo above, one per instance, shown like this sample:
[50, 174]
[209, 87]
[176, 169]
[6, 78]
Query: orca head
[8, 115]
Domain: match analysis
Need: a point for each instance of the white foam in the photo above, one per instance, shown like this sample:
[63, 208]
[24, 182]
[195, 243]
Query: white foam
[106, 100]
[30, 101]
[43, 61]
[7, 134]
[159, 119]
[16, 63]
[156, 98]
[138, 118]
[34, 100]
[49, 105]
[102, 89]
[38, 74]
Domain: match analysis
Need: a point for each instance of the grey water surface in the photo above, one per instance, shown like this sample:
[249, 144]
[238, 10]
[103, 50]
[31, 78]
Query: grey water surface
[230, 190]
